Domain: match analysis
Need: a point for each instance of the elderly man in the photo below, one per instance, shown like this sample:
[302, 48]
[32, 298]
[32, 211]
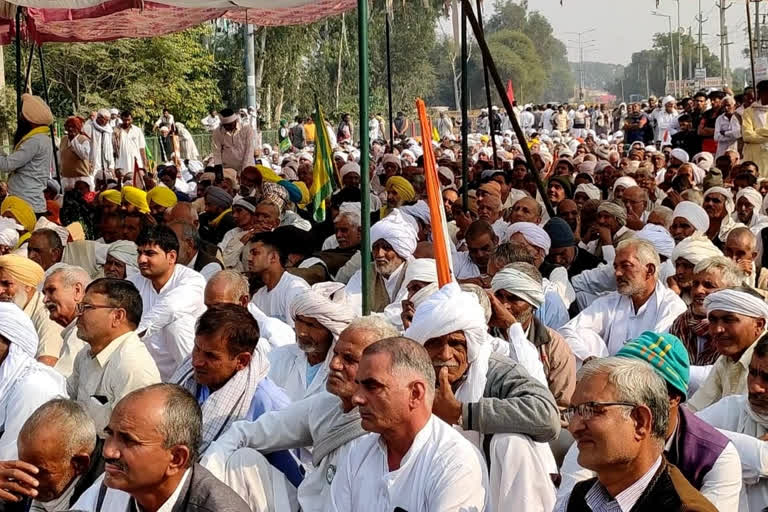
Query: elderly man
[161, 470]
[620, 420]
[267, 259]
[692, 327]
[19, 279]
[517, 290]
[526, 209]
[641, 303]
[718, 203]
[312, 422]
[687, 219]
[393, 241]
[564, 251]
[102, 157]
[121, 261]
[251, 217]
[610, 230]
[25, 384]
[489, 210]
[399, 191]
[749, 202]
[63, 290]
[472, 264]
[740, 247]
[426, 464]
[191, 254]
[451, 326]
[59, 458]
[228, 377]
[636, 201]
[686, 255]
[737, 319]
[715, 471]
[233, 143]
[217, 219]
[115, 362]
[302, 369]
[171, 296]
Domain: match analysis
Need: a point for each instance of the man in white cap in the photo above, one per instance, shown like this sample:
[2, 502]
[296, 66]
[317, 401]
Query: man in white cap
[718, 203]
[749, 202]
[451, 326]
[121, 262]
[737, 319]
[233, 142]
[102, 156]
[25, 384]
[664, 119]
[641, 303]
[687, 254]
[688, 218]
[393, 241]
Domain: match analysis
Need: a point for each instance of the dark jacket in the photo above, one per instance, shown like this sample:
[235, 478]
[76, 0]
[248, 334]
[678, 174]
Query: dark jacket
[206, 254]
[202, 492]
[667, 491]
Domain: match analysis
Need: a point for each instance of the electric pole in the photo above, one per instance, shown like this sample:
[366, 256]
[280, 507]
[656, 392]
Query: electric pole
[690, 56]
[701, 21]
[671, 53]
[758, 42]
[679, 48]
[725, 69]
[581, 46]
[250, 66]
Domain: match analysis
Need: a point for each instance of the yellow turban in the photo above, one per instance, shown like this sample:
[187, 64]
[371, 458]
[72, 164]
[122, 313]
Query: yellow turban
[268, 174]
[21, 210]
[304, 193]
[162, 196]
[136, 197]
[403, 188]
[22, 269]
[112, 195]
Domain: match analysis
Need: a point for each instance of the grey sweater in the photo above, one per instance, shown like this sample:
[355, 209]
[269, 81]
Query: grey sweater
[30, 167]
[513, 402]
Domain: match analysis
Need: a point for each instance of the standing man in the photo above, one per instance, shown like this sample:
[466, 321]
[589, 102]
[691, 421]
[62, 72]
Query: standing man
[130, 146]
[753, 130]
[102, 155]
[233, 143]
[444, 126]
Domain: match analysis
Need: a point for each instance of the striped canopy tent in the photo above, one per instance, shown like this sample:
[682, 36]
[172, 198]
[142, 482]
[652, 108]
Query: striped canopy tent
[73, 21]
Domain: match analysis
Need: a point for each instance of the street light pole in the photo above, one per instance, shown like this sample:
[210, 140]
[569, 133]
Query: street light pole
[581, 58]
[671, 48]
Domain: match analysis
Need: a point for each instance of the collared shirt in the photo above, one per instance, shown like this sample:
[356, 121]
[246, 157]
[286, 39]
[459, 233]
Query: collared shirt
[131, 143]
[232, 247]
[277, 302]
[598, 499]
[168, 505]
[208, 270]
[60, 503]
[69, 350]
[99, 382]
[169, 316]
[48, 331]
[440, 471]
[233, 149]
[727, 377]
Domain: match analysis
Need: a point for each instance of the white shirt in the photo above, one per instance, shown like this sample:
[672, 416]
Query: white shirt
[610, 321]
[131, 143]
[441, 471]
[727, 377]
[208, 270]
[463, 266]
[169, 316]
[354, 291]
[277, 302]
[117, 500]
[232, 248]
[69, 349]
[288, 367]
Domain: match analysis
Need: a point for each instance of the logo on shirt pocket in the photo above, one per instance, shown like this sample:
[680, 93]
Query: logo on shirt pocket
[330, 473]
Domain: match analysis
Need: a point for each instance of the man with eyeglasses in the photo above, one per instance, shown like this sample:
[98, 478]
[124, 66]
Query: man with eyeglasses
[702, 454]
[620, 418]
[116, 361]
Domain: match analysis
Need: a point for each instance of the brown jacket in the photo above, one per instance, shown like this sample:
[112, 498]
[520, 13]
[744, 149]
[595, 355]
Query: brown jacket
[557, 359]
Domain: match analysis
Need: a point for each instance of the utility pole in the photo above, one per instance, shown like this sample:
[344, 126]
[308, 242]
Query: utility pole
[679, 48]
[581, 57]
[758, 42]
[701, 21]
[725, 69]
[250, 66]
[671, 50]
[647, 82]
[690, 57]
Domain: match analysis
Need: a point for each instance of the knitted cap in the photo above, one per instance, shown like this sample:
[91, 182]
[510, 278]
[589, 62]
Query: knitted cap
[665, 353]
[560, 233]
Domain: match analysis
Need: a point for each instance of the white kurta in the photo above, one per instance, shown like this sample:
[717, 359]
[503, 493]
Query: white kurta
[441, 471]
[168, 317]
[69, 349]
[231, 247]
[608, 323]
[131, 143]
[463, 266]
[277, 302]
[288, 369]
[354, 290]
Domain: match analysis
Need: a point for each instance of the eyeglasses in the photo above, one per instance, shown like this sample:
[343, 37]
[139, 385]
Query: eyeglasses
[82, 307]
[589, 409]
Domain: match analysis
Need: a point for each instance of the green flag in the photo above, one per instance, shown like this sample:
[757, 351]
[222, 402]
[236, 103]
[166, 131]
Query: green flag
[322, 172]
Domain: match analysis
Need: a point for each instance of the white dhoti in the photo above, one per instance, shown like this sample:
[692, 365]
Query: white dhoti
[260, 484]
[519, 477]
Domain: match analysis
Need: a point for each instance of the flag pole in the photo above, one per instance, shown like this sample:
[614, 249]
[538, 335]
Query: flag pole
[389, 85]
[464, 111]
[751, 53]
[487, 85]
[365, 185]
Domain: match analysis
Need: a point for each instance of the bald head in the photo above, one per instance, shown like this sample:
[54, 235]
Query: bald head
[740, 246]
[227, 287]
[635, 200]
[526, 209]
[185, 212]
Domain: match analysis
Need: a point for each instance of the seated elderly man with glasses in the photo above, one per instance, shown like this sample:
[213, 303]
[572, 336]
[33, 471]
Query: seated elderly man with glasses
[619, 418]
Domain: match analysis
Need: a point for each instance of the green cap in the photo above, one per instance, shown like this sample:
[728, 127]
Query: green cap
[666, 353]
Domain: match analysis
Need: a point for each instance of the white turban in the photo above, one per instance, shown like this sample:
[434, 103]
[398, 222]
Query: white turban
[753, 196]
[694, 214]
[535, 235]
[519, 284]
[738, 302]
[341, 154]
[729, 206]
[43, 223]
[590, 190]
[680, 154]
[705, 160]
[399, 231]
[695, 248]
[667, 99]
[350, 167]
[18, 329]
[9, 235]
[659, 237]
[408, 152]
[624, 181]
[316, 303]
[425, 270]
[418, 210]
[125, 251]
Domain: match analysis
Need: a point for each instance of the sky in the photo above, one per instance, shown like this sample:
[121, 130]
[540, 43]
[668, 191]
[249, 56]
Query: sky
[623, 27]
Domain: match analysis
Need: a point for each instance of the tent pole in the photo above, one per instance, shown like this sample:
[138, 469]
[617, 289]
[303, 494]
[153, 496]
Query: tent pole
[18, 63]
[464, 111]
[45, 97]
[365, 185]
[28, 73]
[487, 87]
[389, 85]
[488, 60]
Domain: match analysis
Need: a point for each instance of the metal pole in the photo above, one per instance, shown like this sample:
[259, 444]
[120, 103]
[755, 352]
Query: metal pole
[672, 55]
[679, 50]
[464, 111]
[749, 39]
[45, 97]
[758, 42]
[28, 72]
[491, 66]
[389, 85]
[18, 63]
[365, 185]
[250, 66]
[487, 86]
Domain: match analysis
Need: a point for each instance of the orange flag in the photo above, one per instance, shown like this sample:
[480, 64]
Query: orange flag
[435, 202]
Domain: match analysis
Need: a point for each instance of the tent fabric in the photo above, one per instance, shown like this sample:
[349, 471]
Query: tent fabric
[107, 20]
